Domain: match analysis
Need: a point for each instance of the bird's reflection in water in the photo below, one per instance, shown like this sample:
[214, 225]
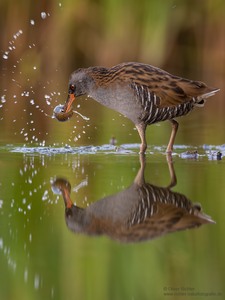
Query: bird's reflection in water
[141, 212]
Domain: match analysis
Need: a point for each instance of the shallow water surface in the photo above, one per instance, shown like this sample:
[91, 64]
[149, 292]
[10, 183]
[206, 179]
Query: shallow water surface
[110, 249]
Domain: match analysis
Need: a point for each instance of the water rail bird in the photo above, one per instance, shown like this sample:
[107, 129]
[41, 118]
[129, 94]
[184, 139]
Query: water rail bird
[142, 93]
[138, 213]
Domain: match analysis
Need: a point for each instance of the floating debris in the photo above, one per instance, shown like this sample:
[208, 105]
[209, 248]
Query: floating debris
[214, 155]
[190, 154]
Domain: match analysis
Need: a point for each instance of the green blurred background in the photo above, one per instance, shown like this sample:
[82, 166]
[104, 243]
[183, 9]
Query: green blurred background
[186, 38]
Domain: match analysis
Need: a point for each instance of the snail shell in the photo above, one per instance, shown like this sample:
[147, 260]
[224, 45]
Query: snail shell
[60, 114]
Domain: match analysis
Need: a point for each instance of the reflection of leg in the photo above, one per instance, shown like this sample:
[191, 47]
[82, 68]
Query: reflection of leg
[140, 179]
[141, 127]
[173, 178]
[172, 136]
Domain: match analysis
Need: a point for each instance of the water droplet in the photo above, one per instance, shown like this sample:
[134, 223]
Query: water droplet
[17, 34]
[43, 15]
[34, 67]
[25, 275]
[25, 94]
[45, 196]
[32, 22]
[5, 56]
[36, 282]
[3, 100]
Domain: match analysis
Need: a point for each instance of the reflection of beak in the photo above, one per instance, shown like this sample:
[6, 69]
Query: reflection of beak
[66, 197]
[69, 103]
[62, 186]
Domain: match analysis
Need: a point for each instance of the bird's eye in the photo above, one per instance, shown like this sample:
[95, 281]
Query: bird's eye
[71, 89]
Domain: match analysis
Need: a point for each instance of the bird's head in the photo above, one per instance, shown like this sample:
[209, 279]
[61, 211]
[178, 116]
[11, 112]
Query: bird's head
[79, 85]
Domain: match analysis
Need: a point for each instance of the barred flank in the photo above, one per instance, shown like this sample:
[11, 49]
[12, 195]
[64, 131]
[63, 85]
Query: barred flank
[153, 113]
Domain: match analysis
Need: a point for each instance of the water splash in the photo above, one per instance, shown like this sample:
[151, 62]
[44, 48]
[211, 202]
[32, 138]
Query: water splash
[32, 100]
[82, 116]
[29, 93]
[11, 45]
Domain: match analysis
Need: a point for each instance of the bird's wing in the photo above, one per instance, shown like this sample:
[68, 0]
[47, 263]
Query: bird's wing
[167, 89]
[171, 91]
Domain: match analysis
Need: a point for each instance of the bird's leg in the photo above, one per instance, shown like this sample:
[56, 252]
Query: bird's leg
[141, 127]
[140, 178]
[173, 178]
[175, 126]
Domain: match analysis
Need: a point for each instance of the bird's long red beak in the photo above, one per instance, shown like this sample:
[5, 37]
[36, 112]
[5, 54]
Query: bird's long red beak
[69, 102]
